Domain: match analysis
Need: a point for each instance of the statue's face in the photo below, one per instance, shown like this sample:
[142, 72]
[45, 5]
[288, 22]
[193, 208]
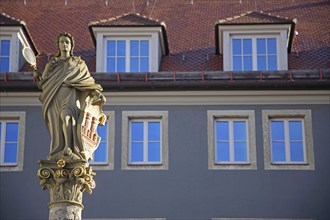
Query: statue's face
[64, 44]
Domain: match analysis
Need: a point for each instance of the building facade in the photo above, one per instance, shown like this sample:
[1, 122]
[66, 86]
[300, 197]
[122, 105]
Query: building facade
[216, 109]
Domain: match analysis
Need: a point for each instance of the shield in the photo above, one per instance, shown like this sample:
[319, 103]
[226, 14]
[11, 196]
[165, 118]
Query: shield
[91, 116]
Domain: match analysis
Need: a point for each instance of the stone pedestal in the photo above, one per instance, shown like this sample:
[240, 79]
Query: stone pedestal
[66, 183]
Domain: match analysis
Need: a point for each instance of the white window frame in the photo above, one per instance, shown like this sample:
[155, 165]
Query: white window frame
[231, 140]
[128, 116]
[20, 118]
[306, 117]
[10, 50]
[17, 41]
[279, 31]
[109, 164]
[287, 141]
[246, 115]
[156, 43]
[254, 48]
[145, 142]
[127, 52]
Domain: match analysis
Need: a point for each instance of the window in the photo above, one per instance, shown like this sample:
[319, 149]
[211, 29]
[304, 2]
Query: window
[288, 139]
[12, 131]
[103, 157]
[254, 53]
[231, 141]
[4, 54]
[231, 137]
[127, 56]
[145, 140]
[138, 47]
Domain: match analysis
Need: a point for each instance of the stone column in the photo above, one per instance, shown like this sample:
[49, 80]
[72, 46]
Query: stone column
[66, 183]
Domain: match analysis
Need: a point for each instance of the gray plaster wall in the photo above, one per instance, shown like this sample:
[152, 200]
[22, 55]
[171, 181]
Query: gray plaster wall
[187, 190]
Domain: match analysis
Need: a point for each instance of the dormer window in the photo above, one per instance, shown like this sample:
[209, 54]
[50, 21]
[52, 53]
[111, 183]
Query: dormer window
[254, 41]
[14, 36]
[129, 43]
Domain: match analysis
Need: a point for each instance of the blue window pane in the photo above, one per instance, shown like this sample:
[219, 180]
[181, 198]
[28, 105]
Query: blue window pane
[144, 48]
[239, 130]
[121, 48]
[11, 132]
[271, 45]
[102, 131]
[4, 64]
[247, 62]
[154, 131]
[137, 131]
[10, 153]
[237, 50]
[272, 62]
[137, 152]
[100, 155]
[121, 65]
[261, 46]
[261, 63]
[111, 64]
[237, 63]
[222, 151]
[240, 153]
[295, 130]
[222, 129]
[144, 65]
[134, 65]
[154, 152]
[296, 151]
[247, 46]
[134, 46]
[0, 132]
[111, 48]
[277, 129]
[278, 151]
[5, 48]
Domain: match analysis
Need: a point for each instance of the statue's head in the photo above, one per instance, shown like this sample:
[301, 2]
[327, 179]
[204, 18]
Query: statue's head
[65, 34]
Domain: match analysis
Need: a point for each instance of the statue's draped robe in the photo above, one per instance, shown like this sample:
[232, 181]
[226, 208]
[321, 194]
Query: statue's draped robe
[65, 86]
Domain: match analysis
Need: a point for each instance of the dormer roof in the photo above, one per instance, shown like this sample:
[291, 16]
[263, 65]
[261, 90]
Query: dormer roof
[6, 20]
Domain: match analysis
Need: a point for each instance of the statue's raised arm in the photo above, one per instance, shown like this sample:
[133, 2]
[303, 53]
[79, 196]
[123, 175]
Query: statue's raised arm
[71, 104]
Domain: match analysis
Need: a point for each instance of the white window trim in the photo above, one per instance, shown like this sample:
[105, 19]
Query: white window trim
[231, 140]
[287, 140]
[281, 31]
[254, 48]
[247, 115]
[156, 43]
[20, 118]
[132, 115]
[17, 39]
[127, 52]
[145, 142]
[109, 164]
[306, 117]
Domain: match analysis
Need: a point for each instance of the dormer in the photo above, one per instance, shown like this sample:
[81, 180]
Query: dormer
[129, 43]
[254, 41]
[14, 35]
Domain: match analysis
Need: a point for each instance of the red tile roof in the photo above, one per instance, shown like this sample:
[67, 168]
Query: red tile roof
[189, 26]
[131, 19]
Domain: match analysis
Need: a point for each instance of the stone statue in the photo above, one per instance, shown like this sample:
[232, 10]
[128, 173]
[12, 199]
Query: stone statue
[71, 104]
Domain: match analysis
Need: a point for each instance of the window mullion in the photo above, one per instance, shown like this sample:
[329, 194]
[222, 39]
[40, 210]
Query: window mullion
[254, 53]
[128, 56]
[145, 141]
[231, 141]
[287, 140]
